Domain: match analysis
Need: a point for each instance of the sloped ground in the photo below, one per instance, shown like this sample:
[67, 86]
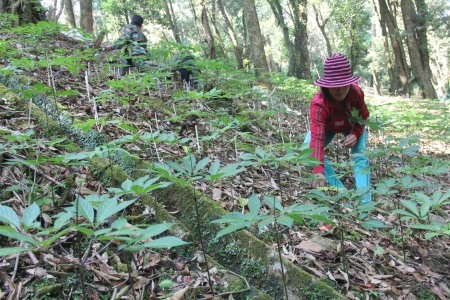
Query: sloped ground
[387, 263]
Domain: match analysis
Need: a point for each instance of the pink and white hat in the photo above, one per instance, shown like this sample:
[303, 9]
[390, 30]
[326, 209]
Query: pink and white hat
[336, 73]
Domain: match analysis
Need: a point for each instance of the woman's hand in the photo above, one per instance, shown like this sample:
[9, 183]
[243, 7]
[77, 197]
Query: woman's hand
[350, 141]
[319, 181]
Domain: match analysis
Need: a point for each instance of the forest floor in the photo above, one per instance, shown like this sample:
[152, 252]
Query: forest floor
[396, 262]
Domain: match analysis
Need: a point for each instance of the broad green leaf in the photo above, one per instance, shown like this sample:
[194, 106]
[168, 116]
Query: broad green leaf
[189, 163]
[214, 167]
[176, 166]
[164, 242]
[438, 198]
[30, 214]
[232, 217]
[379, 250]
[153, 230]
[230, 229]
[254, 204]
[265, 222]
[404, 213]
[48, 242]
[84, 230]
[9, 251]
[372, 223]
[19, 236]
[201, 164]
[272, 201]
[85, 209]
[62, 220]
[110, 207]
[285, 220]
[102, 231]
[9, 216]
[118, 224]
[433, 227]
[411, 206]
[425, 208]
[320, 218]
[430, 235]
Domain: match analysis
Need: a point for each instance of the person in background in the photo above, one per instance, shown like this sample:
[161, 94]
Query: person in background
[330, 113]
[189, 72]
[134, 41]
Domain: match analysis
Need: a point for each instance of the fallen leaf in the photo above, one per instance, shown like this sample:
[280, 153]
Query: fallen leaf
[310, 247]
[438, 292]
[179, 295]
[405, 269]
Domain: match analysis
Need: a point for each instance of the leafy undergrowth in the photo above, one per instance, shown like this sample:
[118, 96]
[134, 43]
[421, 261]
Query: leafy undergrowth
[396, 249]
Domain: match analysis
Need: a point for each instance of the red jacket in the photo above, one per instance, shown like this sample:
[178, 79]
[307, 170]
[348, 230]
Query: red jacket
[328, 115]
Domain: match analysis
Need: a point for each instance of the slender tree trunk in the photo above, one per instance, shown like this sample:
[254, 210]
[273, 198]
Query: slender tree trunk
[245, 51]
[197, 27]
[397, 46]
[376, 83]
[69, 14]
[419, 67]
[237, 48]
[321, 24]
[394, 83]
[58, 14]
[174, 29]
[300, 67]
[256, 40]
[208, 35]
[278, 12]
[86, 16]
[217, 32]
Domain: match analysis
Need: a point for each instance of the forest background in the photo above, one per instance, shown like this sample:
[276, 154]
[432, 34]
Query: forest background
[401, 46]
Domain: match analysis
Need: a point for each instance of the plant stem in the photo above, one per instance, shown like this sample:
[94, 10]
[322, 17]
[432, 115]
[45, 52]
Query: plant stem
[197, 213]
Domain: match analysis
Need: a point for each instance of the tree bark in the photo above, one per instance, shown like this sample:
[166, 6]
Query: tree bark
[321, 24]
[68, 12]
[397, 46]
[394, 83]
[420, 68]
[28, 11]
[256, 40]
[237, 48]
[176, 35]
[217, 32]
[300, 18]
[86, 16]
[278, 12]
[208, 35]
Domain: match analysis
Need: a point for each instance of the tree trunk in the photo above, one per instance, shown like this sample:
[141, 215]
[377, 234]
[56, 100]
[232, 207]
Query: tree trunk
[68, 12]
[245, 51]
[419, 67]
[191, 5]
[237, 48]
[28, 11]
[256, 40]
[278, 12]
[394, 83]
[300, 18]
[208, 35]
[176, 35]
[397, 46]
[217, 32]
[376, 83]
[58, 14]
[321, 24]
[86, 16]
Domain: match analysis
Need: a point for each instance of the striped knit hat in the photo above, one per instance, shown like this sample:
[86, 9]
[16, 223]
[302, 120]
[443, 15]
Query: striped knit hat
[336, 72]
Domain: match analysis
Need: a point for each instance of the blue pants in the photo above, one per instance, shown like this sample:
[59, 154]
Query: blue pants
[362, 174]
